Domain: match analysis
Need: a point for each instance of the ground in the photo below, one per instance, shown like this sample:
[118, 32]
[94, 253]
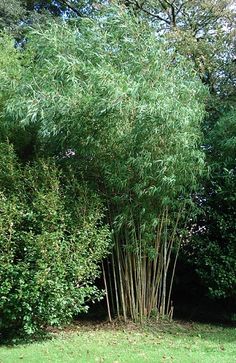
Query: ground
[177, 342]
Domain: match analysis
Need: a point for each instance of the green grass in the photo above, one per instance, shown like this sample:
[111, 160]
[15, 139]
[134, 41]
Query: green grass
[190, 343]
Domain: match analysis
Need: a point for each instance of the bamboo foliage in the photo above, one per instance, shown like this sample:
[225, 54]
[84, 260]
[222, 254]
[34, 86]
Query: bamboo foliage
[130, 109]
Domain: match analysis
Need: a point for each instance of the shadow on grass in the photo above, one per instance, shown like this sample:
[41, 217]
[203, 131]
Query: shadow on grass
[11, 340]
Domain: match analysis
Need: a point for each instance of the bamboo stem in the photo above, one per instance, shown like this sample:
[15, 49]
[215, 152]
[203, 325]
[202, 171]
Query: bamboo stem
[121, 283]
[115, 285]
[110, 286]
[107, 297]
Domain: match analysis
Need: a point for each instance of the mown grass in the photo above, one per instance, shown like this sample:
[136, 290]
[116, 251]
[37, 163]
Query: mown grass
[177, 342]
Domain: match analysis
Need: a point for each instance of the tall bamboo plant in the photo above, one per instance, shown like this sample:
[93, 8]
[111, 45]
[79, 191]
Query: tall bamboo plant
[130, 109]
[142, 277]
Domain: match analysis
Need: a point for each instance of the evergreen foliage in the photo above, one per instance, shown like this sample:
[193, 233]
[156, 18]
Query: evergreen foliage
[51, 244]
[213, 250]
[130, 110]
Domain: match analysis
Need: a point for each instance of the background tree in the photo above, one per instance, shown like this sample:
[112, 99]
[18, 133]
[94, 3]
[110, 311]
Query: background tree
[11, 13]
[201, 30]
[213, 248]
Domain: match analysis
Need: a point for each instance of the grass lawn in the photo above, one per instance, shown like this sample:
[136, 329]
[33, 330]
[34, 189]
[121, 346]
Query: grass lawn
[165, 342]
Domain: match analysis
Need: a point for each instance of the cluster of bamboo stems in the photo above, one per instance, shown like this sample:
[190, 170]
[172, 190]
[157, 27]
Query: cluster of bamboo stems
[139, 286]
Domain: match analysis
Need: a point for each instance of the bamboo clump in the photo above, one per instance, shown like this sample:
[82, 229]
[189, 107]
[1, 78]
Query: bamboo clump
[139, 285]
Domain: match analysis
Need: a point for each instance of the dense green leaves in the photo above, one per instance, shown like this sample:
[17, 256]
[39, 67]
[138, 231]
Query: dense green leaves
[11, 13]
[214, 246]
[123, 103]
[125, 111]
[51, 244]
[119, 99]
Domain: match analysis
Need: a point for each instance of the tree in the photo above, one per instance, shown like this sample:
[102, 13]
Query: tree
[17, 15]
[213, 248]
[11, 13]
[75, 8]
[14, 11]
[201, 30]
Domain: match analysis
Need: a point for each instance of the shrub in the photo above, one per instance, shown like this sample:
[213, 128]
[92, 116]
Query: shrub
[51, 243]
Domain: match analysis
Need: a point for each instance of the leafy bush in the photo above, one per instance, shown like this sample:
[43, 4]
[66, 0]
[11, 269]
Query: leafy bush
[213, 250]
[51, 244]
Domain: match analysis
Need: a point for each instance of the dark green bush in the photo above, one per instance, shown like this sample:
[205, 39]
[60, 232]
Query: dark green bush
[52, 241]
